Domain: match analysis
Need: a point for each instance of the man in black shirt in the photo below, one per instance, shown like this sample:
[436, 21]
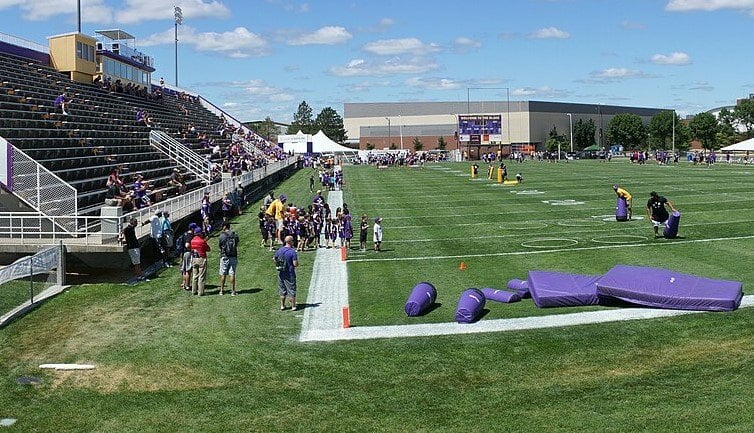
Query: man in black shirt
[656, 211]
[132, 245]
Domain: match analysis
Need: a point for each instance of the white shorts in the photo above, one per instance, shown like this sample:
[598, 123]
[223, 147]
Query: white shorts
[228, 265]
[658, 223]
[135, 255]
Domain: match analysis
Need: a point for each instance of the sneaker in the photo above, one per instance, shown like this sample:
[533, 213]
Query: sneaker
[294, 308]
[282, 308]
[221, 292]
[233, 293]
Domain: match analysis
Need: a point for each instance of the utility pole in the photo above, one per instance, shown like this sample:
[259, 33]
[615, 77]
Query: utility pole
[178, 13]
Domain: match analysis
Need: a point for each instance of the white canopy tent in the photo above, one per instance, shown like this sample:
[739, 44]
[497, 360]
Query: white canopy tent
[305, 143]
[742, 146]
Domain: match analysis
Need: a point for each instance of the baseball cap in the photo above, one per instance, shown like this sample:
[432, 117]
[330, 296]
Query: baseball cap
[192, 226]
[377, 219]
[158, 211]
[615, 186]
[283, 197]
[197, 230]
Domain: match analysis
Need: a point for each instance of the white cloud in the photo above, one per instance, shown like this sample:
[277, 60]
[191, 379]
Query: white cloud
[394, 65]
[630, 25]
[136, 11]
[550, 33]
[676, 58]
[709, 5]
[392, 47]
[434, 83]
[541, 92]
[238, 43]
[614, 74]
[92, 11]
[260, 90]
[386, 22]
[463, 44]
[329, 35]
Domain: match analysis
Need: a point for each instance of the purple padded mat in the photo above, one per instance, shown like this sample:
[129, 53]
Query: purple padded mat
[470, 304]
[422, 297]
[500, 295]
[560, 289]
[521, 287]
[663, 288]
[671, 225]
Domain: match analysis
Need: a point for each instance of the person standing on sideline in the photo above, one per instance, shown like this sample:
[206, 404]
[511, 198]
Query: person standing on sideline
[277, 211]
[286, 261]
[186, 266]
[656, 211]
[622, 193]
[363, 229]
[156, 234]
[199, 250]
[228, 246]
[377, 234]
[132, 245]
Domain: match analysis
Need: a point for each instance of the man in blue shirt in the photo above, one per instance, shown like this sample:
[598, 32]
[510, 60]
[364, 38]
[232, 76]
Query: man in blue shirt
[286, 261]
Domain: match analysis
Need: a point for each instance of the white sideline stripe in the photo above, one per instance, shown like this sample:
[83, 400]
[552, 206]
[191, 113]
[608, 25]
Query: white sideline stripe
[328, 289]
[499, 325]
[555, 250]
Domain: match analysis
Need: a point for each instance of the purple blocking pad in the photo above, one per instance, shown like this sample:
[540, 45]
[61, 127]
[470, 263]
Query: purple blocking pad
[560, 289]
[621, 210]
[470, 304]
[520, 286]
[422, 297]
[663, 288]
[671, 226]
[500, 295]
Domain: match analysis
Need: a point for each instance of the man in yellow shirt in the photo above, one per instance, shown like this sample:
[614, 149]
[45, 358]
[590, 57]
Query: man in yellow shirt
[622, 193]
[277, 211]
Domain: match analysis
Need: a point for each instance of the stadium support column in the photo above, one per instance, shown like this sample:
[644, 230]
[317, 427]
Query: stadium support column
[389, 138]
[570, 126]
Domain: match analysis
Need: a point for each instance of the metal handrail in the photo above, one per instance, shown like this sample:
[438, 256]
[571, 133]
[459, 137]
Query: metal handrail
[182, 155]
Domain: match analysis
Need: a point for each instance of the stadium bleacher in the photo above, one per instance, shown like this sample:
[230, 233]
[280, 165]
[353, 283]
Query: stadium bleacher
[100, 131]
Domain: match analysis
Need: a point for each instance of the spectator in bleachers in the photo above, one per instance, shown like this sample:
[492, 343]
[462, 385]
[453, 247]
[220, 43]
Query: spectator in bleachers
[62, 101]
[141, 191]
[177, 180]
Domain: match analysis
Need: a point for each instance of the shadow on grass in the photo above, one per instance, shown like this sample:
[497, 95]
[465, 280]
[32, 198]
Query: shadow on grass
[431, 308]
[301, 306]
[249, 291]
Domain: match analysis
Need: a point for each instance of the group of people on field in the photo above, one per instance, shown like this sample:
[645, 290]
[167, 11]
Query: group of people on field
[657, 212]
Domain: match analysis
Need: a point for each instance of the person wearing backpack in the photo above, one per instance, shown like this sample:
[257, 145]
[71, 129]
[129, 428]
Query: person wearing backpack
[228, 243]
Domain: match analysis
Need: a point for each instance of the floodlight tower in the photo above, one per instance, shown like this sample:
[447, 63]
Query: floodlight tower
[178, 14]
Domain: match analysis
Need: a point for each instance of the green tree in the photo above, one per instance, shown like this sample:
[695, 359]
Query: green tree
[302, 120]
[682, 137]
[661, 129]
[554, 140]
[266, 128]
[329, 121]
[393, 146]
[704, 128]
[744, 115]
[441, 144]
[583, 134]
[628, 130]
[370, 146]
[418, 145]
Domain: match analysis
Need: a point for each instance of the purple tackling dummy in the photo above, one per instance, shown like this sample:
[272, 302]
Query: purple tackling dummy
[671, 226]
[521, 287]
[470, 304]
[500, 295]
[621, 210]
[561, 289]
[422, 297]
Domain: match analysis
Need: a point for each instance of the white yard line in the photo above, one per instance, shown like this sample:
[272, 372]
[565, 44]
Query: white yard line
[328, 289]
[499, 325]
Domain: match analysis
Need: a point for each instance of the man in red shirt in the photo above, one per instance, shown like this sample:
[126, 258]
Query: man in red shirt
[199, 250]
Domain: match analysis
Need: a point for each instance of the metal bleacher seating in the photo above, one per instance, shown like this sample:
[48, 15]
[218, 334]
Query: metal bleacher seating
[99, 133]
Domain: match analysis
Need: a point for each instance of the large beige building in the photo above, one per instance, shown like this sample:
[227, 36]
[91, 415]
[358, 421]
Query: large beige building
[523, 124]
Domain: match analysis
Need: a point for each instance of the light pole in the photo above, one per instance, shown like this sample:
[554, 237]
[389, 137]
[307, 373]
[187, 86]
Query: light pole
[388, 132]
[570, 125]
[178, 13]
[673, 141]
[400, 129]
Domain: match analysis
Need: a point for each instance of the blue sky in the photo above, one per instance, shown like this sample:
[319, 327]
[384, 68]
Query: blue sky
[260, 58]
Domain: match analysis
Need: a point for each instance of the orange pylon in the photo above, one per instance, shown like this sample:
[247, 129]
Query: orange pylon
[346, 317]
[343, 254]
[462, 266]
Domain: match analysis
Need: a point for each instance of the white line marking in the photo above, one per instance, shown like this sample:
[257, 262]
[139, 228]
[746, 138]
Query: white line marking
[500, 325]
[328, 289]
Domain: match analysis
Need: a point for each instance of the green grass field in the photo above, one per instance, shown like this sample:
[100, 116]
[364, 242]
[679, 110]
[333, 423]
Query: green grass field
[169, 362]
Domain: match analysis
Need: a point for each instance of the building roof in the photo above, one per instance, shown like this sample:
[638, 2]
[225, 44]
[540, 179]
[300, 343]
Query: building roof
[115, 34]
